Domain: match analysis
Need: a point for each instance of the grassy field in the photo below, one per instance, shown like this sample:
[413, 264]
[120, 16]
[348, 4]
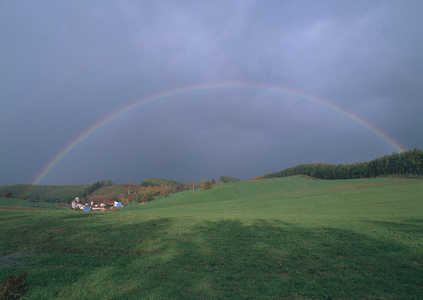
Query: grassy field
[280, 238]
[23, 204]
[298, 196]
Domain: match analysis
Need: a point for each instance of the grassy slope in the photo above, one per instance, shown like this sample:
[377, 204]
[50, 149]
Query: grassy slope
[296, 196]
[110, 190]
[283, 238]
[10, 202]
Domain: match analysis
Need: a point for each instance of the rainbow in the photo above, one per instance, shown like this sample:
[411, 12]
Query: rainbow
[208, 86]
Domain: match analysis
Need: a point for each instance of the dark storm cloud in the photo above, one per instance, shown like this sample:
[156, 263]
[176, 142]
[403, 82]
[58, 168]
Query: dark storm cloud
[65, 66]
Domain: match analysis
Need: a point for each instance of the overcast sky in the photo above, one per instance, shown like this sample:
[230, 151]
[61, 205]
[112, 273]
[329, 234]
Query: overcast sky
[67, 65]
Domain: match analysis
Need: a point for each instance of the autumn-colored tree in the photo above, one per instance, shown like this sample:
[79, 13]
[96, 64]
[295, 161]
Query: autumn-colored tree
[203, 183]
[209, 185]
[146, 197]
[164, 190]
[8, 195]
[206, 185]
[124, 201]
[153, 190]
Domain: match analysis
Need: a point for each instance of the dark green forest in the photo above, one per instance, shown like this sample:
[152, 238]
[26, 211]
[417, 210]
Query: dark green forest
[229, 179]
[408, 164]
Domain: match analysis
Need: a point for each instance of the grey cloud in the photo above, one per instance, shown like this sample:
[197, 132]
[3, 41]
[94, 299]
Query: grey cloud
[66, 66]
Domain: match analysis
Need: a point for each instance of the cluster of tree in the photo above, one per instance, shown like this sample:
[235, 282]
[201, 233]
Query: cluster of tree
[147, 193]
[92, 188]
[207, 185]
[229, 179]
[257, 178]
[154, 187]
[49, 193]
[407, 163]
[175, 185]
[8, 195]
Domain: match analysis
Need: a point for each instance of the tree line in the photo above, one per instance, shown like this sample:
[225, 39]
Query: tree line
[229, 179]
[173, 184]
[153, 187]
[407, 164]
[147, 193]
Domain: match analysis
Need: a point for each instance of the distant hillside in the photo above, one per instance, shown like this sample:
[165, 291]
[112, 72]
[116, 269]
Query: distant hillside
[11, 203]
[123, 192]
[407, 164]
[49, 193]
[178, 186]
[295, 195]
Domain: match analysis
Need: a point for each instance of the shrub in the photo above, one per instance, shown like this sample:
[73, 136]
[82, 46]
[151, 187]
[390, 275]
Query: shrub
[206, 185]
[147, 197]
[14, 287]
[8, 195]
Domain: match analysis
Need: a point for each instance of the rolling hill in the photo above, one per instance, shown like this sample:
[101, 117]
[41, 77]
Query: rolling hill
[296, 195]
[284, 238]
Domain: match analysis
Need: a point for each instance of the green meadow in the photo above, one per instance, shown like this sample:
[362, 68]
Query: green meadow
[13, 203]
[286, 238]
